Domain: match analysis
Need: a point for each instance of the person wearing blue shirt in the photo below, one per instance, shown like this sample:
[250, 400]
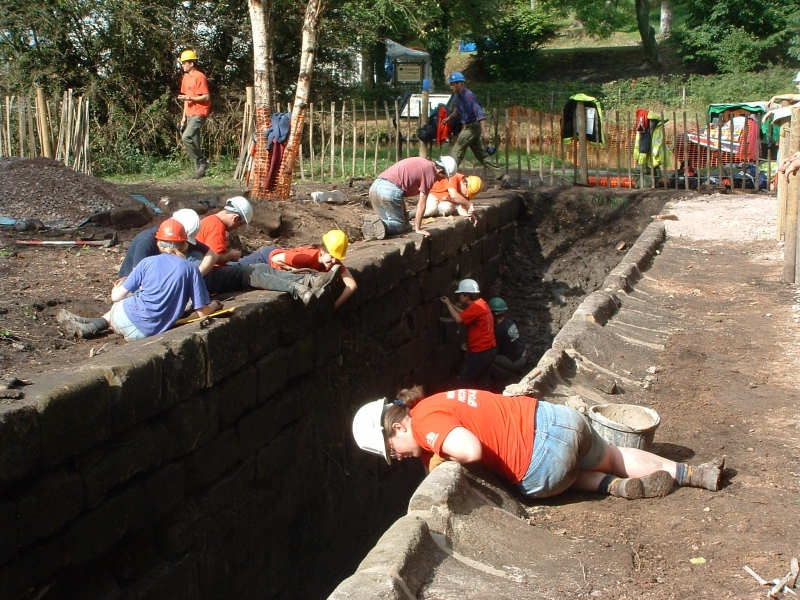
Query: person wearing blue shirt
[475, 133]
[153, 296]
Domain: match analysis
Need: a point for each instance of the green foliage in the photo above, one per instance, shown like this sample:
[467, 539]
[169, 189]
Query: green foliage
[735, 36]
[512, 41]
[597, 17]
[29, 312]
[656, 93]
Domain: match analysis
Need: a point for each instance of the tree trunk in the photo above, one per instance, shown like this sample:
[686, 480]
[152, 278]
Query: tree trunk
[666, 19]
[263, 58]
[311, 22]
[264, 84]
[367, 69]
[649, 43]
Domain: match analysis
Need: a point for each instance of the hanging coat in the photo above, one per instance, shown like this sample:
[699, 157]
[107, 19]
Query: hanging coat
[659, 153]
[442, 129]
[568, 119]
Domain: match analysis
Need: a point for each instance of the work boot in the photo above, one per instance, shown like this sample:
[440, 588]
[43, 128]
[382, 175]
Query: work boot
[64, 316]
[321, 281]
[89, 329]
[202, 167]
[373, 228]
[650, 486]
[303, 293]
[706, 475]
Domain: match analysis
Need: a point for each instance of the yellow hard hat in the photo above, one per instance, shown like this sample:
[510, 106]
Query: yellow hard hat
[336, 242]
[188, 55]
[474, 186]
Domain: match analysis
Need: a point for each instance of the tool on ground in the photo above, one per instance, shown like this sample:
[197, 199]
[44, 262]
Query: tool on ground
[105, 243]
[220, 313]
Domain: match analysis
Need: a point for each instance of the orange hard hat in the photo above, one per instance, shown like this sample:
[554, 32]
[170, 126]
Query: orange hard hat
[171, 231]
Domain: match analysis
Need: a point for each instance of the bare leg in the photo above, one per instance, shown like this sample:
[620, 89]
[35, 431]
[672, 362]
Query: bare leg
[623, 462]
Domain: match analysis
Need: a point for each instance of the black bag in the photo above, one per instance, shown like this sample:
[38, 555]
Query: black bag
[427, 133]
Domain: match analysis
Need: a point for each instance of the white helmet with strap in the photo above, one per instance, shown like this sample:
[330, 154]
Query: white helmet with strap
[368, 429]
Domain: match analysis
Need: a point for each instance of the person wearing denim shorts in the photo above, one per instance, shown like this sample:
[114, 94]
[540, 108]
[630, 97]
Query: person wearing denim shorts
[541, 447]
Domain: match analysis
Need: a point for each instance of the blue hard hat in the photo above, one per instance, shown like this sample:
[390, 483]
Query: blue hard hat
[456, 76]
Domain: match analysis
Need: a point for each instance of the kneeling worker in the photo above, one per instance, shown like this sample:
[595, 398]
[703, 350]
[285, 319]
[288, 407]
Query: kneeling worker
[512, 355]
[409, 177]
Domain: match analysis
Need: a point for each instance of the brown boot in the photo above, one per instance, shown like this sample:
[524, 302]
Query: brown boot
[653, 485]
[706, 475]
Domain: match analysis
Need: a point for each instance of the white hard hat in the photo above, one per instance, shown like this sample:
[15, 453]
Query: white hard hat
[240, 206]
[368, 428]
[190, 221]
[448, 164]
[468, 286]
[797, 78]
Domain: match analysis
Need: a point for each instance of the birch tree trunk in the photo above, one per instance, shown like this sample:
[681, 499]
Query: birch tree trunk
[263, 57]
[264, 84]
[666, 19]
[311, 22]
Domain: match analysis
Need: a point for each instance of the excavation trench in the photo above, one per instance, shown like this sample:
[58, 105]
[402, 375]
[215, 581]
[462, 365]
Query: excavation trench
[218, 462]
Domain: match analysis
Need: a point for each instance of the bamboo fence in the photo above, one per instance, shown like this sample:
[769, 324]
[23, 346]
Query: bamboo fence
[32, 126]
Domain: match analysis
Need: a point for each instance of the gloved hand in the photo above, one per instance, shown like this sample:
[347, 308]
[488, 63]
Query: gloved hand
[435, 461]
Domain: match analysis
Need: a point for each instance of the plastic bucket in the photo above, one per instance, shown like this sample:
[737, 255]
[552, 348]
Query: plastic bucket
[625, 425]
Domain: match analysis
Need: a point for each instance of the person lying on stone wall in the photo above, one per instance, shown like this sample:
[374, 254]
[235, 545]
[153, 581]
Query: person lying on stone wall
[413, 176]
[481, 345]
[145, 244]
[314, 259]
[153, 296]
[231, 274]
[542, 448]
[451, 195]
[512, 354]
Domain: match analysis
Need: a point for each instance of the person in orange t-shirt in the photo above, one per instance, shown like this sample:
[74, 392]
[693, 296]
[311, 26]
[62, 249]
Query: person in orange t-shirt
[481, 345]
[196, 100]
[541, 447]
[319, 258]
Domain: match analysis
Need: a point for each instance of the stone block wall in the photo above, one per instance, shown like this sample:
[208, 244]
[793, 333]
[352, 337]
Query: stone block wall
[218, 462]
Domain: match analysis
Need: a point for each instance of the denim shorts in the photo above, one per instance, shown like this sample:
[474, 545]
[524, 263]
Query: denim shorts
[564, 443]
[122, 325]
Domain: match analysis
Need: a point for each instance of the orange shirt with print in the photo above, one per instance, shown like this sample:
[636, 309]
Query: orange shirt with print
[503, 424]
[195, 84]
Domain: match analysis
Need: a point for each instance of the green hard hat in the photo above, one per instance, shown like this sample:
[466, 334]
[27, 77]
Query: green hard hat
[498, 305]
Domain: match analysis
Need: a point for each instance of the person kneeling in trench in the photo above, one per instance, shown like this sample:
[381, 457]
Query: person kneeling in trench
[543, 448]
[153, 296]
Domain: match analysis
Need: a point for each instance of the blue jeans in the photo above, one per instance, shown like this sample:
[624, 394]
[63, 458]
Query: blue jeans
[476, 370]
[564, 443]
[387, 202]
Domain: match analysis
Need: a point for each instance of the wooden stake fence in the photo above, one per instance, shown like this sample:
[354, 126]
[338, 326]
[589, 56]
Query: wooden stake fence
[27, 128]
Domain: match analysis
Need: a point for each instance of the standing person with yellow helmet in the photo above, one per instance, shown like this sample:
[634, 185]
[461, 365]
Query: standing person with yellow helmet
[196, 100]
[318, 258]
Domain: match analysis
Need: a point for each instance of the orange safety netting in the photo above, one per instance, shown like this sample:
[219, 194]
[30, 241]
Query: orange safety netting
[281, 187]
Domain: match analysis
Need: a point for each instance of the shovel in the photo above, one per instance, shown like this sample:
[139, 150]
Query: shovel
[104, 243]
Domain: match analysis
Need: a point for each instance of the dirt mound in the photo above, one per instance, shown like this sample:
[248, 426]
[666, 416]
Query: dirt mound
[44, 189]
